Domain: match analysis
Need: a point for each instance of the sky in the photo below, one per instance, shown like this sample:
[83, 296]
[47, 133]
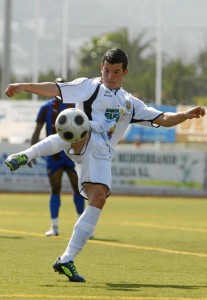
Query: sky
[184, 28]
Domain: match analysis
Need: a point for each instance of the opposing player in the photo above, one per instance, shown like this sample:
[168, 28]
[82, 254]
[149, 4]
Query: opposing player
[57, 164]
[110, 112]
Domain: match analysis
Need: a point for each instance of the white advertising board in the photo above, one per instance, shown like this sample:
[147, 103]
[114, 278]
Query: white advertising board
[17, 120]
[134, 171]
[159, 172]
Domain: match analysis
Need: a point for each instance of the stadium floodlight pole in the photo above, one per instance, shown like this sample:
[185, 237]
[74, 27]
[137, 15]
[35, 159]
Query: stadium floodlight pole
[35, 73]
[158, 79]
[64, 57]
[6, 61]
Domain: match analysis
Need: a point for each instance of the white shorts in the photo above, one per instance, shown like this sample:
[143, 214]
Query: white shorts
[94, 165]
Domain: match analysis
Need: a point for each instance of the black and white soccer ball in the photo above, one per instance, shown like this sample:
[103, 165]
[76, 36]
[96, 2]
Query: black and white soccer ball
[72, 125]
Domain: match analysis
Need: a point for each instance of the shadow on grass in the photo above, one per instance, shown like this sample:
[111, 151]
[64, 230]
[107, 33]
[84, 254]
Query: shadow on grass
[11, 237]
[137, 286]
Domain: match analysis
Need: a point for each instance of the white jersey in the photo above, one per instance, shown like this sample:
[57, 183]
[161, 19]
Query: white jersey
[111, 111]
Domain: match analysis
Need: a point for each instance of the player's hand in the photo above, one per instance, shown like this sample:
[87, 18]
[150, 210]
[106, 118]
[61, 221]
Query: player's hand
[196, 112]
[14, 88]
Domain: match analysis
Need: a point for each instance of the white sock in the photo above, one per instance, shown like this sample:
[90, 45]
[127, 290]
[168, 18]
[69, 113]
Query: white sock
[54, 222]
[48, 146]
[82, 231]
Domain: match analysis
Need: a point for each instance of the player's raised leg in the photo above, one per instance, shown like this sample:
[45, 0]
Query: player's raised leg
[48, 146]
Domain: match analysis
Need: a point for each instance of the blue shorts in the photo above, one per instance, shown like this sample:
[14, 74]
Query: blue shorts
[59, 161]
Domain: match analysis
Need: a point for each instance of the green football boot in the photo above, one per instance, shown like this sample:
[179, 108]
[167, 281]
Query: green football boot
[16, 161]
[69, 270]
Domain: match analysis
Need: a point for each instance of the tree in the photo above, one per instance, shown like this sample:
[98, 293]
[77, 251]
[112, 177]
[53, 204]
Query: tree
[177, 82]
[201, 74]
[140, 79]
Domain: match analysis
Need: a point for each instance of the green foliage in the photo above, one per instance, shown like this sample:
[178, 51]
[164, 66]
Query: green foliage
[49, 76]
[176, 79]
[140, 65]
[182, 83]
[202, 101]
[91, 55]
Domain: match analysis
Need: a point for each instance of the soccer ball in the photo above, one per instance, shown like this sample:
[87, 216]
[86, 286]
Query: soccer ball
[72, 125]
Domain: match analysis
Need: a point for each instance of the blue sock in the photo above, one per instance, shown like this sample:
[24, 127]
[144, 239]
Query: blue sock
[79, 203]
[54, 206]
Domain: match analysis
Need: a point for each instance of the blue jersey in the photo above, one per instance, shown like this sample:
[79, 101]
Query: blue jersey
[47, 115]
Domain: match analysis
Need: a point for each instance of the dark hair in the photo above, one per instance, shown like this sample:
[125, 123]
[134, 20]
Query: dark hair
[116, 56]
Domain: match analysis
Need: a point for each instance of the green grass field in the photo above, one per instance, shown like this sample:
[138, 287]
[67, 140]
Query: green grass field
[146, 248]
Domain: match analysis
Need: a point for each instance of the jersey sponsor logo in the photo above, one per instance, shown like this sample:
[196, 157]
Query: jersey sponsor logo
[107, 93]
[110, 132]
[112, 117]
[112, 114]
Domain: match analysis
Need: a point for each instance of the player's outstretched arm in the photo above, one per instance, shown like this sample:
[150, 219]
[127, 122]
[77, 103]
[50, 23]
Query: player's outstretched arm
[48, 89]
[169, 119]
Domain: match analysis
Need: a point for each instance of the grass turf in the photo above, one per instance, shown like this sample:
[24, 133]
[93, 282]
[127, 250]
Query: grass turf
[145, 248]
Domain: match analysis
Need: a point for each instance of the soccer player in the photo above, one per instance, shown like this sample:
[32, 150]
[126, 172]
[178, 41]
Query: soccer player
[110, 112]
[58, 163]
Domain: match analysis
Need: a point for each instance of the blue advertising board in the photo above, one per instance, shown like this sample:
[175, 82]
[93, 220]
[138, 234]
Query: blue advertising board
[144, 134]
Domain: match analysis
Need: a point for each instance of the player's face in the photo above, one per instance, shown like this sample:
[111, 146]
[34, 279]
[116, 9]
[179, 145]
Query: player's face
[113, 75]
